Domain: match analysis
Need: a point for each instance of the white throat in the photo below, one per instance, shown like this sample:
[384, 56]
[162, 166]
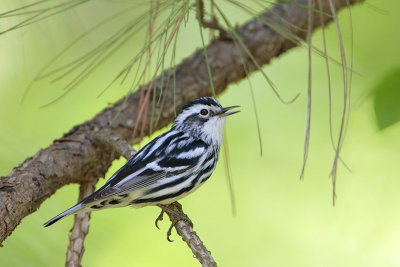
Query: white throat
[213, 130]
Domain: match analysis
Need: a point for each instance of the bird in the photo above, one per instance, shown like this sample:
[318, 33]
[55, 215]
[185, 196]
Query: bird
[171, 166]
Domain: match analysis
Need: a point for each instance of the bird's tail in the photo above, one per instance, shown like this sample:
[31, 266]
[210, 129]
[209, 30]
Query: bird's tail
[70, 211]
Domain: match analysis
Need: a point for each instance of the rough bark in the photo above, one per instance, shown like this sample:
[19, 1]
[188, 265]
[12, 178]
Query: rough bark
[77, 157]
[190, 237]
[80, 229]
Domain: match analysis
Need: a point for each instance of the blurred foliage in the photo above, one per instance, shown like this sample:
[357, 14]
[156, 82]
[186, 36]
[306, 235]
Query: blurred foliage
[281, 221]
[387, 99]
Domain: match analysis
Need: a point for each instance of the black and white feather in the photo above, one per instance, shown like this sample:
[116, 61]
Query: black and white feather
[168, 168]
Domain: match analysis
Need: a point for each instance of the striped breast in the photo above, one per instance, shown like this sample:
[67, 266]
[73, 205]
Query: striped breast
[175, 186]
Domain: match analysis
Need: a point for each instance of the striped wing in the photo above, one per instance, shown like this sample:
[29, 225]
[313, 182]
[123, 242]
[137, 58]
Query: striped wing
[171, 154]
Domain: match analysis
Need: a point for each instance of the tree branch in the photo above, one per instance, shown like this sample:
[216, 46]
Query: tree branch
[80, 229]
[78, 158]
[185, 230]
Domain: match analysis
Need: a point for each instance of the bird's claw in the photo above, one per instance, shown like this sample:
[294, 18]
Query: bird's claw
[170, 229]
[159, 218]
[176, 216]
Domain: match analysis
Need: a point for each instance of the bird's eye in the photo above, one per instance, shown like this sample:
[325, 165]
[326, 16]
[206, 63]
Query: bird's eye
[204, 112]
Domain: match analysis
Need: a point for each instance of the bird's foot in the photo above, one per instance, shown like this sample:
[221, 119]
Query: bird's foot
[175, 212]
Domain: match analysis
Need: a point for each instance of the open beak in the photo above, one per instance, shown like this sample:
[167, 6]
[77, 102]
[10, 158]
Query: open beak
[224, 113]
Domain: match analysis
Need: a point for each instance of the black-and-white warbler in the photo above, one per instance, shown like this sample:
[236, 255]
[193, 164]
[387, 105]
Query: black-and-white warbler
[168, 168]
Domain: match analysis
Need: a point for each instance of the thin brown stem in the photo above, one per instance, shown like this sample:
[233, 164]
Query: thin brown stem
[80, 229]
[185, 230]
[345, 103]
[308, 127]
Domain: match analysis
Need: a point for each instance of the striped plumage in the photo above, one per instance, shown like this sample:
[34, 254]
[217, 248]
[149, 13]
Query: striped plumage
[168, 168]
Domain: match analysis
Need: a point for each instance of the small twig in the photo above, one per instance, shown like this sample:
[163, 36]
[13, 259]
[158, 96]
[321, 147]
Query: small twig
[80, 229]
[184, 228]
[213, 23]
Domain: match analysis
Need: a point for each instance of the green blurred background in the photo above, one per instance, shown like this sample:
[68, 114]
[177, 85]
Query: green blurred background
[281, 220]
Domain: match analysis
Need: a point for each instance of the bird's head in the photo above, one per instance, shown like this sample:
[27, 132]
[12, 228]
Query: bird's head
[204, 118]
